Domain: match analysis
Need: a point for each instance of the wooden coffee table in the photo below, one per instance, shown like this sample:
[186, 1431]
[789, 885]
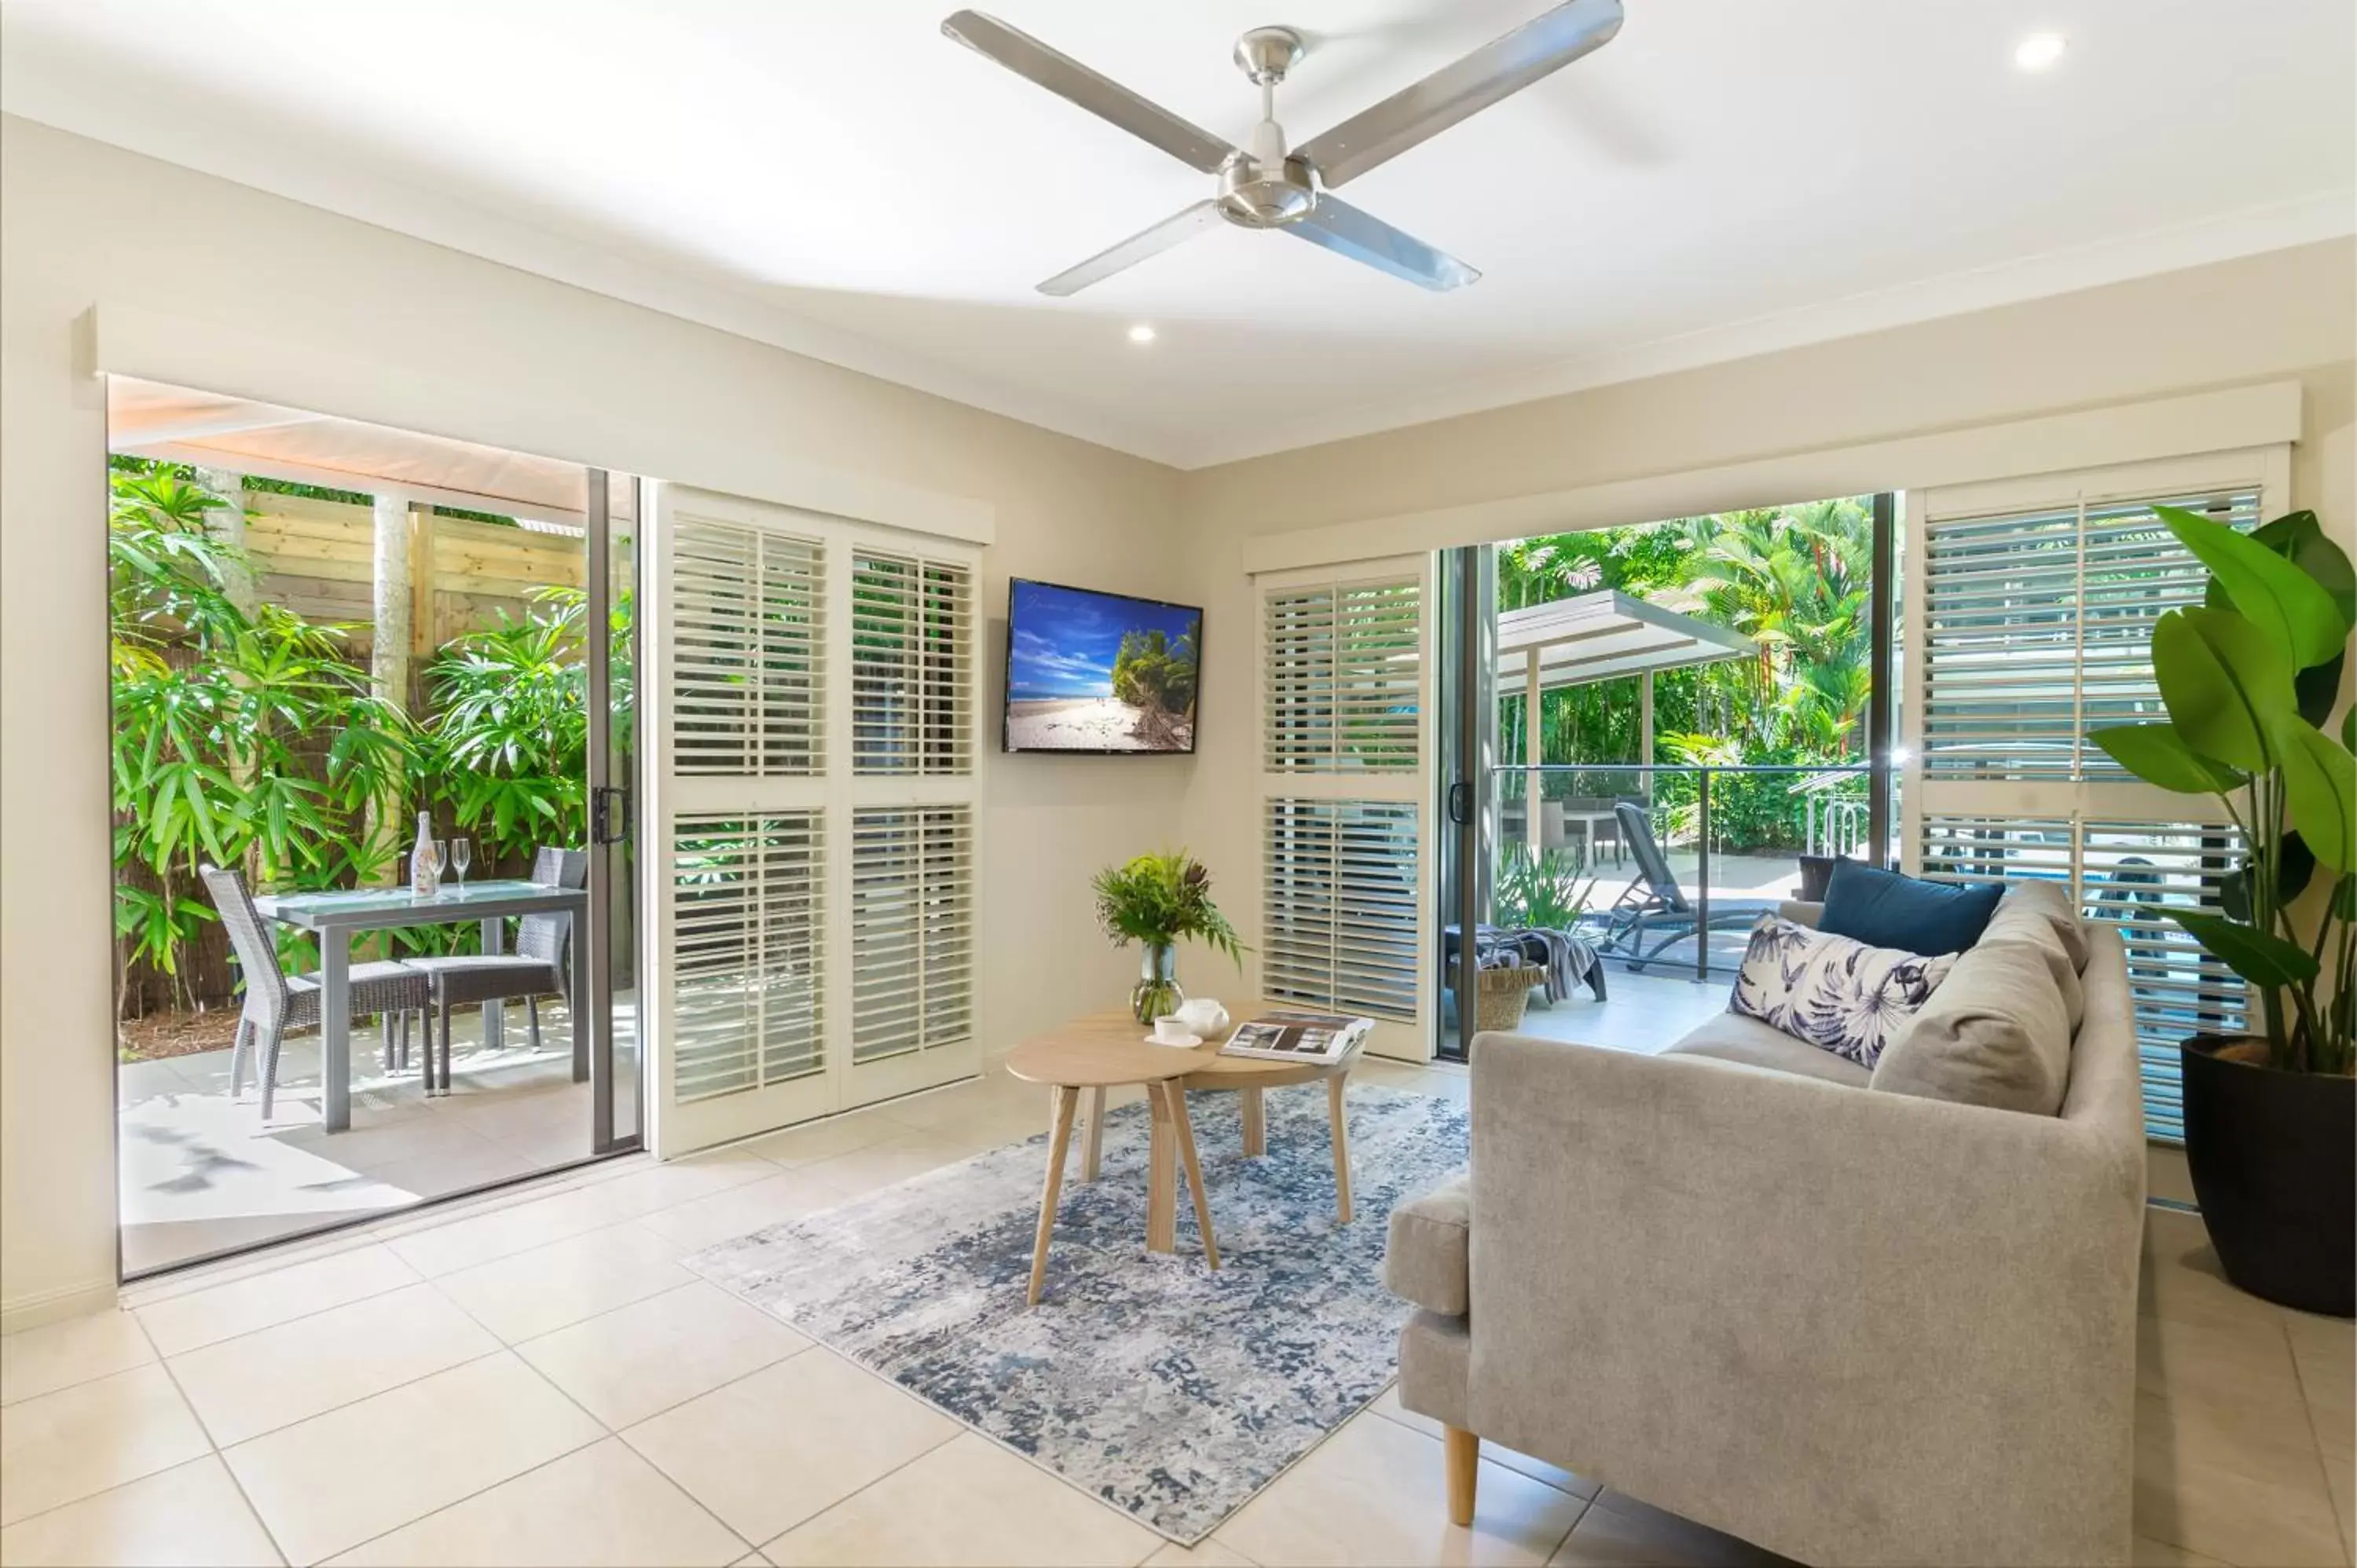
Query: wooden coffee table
[1106, 1051]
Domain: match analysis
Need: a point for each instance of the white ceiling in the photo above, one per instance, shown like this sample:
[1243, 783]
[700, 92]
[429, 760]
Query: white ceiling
[1727, 177]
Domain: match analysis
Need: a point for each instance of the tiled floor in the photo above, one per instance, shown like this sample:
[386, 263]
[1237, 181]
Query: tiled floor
[202, 1173]
[537, 1381]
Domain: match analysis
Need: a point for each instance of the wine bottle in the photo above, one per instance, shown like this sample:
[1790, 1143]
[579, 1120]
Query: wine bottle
[424, 881]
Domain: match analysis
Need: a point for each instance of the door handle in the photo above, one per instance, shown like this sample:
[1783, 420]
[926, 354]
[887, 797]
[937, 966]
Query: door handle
[609, 815]
[1461, 803]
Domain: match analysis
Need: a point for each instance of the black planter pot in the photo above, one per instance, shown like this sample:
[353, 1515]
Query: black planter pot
[2274, 1160]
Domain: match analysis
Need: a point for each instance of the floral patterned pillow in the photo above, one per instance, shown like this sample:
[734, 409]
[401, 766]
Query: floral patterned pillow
[1837, 993]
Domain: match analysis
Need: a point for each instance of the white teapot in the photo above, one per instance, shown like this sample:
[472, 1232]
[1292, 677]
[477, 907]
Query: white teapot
[1204, 1017]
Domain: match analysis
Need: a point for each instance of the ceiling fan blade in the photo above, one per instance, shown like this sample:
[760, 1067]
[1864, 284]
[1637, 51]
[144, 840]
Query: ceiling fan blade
[1183, 224]
[1100, 95]
[1347, 232]
[1495, 71]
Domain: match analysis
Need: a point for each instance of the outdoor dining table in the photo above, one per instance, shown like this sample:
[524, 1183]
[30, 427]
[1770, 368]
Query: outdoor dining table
[333, 918]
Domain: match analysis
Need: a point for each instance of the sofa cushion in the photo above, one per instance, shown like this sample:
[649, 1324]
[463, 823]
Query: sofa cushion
[1424, 1259]
[1732, 1037]
[1885, 910]
[2029, 917]
[1831, 992]
[1997, 1033]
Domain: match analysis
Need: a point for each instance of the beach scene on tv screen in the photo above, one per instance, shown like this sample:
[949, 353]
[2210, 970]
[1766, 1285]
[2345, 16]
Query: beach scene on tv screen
[1095, 672]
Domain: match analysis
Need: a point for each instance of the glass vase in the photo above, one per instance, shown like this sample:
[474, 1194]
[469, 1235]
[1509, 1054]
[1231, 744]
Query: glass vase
[1156, 991]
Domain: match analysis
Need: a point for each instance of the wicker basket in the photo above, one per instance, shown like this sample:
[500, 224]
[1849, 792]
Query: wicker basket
[1504, 994]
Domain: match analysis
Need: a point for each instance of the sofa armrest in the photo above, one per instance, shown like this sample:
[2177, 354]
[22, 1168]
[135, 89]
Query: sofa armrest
[1776, 1302]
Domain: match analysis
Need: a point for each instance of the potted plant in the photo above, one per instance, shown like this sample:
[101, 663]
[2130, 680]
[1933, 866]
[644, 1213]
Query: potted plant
[2249, 679]
[1156, 900]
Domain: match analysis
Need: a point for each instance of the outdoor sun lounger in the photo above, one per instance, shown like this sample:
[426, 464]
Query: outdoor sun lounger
[1653, 908]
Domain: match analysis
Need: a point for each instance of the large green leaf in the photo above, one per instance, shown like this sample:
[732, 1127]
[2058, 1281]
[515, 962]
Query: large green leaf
[2320, 786]
[2223, 680]
[2293, 863]
[2290, 608]
[2159, 755]
[2299, 538]
[2261, 959]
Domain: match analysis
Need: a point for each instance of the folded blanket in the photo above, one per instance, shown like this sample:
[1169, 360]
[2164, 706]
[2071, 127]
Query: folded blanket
[1568, 959]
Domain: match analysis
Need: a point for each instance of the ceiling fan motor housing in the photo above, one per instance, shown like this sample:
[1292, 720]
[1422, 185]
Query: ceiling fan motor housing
[1254, 195]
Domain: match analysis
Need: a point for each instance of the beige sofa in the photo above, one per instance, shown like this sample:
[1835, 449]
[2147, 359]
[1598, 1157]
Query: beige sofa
[1745, 1282]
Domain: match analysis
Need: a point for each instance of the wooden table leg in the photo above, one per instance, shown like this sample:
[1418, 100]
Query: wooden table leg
[1058, 1140]
[1093, 1147]
[1334, 1111]
[1185, 1129]
[1161, 1178]
[1256, 1114]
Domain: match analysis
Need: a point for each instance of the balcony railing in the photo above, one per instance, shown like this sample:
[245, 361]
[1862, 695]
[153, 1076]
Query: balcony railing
[1665, 868]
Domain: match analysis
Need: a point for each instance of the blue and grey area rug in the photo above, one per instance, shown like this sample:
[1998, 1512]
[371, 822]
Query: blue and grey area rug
[1168, 1390]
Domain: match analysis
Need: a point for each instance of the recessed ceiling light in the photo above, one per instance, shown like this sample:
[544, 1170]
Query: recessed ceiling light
[2038, 51]
[1141, 333]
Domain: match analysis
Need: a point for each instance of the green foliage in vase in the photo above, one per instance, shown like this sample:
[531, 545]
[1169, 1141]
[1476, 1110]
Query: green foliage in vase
[1159, 899]
[2248, 679]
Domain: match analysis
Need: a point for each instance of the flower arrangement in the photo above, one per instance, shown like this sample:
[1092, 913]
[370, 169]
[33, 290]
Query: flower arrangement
[1157, 900]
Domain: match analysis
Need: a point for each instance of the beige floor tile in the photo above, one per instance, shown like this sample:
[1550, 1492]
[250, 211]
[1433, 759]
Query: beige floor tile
[798, 1146]
[58, 1448]
[966, 1502]
[190, 1514]
[461, 1243]
[1211, 1553]
[959, 1101]
[2202, 1363]
[275, 1377]
[207, 1316]
[330, 1483]
[60, 1355]
[887, 1163]
[2181, 1279]
[1618, 1529]
[625, 1365]
[1375, 1492]
[2285, 1522]
[600, 1506]
[1555, 1475]
[544, 1290]
[2144, 1552]
[2324, 1355]
[770, 1450]
[741, 1210]
[682, 1181]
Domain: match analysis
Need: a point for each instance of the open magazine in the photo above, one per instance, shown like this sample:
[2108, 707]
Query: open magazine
[1297, 1037]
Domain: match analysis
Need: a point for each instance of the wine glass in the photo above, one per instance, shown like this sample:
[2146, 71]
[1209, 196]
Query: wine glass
[438, 855]
[462, 855]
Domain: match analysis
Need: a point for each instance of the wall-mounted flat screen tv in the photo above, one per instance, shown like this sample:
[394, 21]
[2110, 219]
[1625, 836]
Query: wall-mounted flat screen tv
[1099, 672]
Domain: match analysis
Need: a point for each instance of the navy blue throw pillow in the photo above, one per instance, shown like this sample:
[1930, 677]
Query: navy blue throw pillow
[1885, 909]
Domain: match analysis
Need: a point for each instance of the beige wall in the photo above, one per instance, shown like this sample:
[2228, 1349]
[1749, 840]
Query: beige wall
[2290, 314]
[466, 348]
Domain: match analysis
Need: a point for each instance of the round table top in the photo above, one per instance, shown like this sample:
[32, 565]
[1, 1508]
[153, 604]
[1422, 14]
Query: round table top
[1105, 1049]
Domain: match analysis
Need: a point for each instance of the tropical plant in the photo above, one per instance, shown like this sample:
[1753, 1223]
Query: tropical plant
[217, 712]
[1542, 889]
[510, 735]
[2248, 679]
[1158, 899]
[1157, 676]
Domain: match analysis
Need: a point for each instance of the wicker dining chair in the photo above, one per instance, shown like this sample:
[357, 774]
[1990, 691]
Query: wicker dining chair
[277, 1002]
[539, 967]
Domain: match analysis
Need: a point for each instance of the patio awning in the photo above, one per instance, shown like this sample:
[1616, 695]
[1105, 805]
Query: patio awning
[1598, 635]
[147, 419]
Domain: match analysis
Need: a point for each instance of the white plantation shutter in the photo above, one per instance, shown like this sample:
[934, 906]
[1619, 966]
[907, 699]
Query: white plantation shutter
[1343, 708]
[912, 664]
[911, 929]
[2039, 625]
[812, 719]
[747, 892]
[2029, 608]
[1343, 676]
[748, 664]
[1338, 925]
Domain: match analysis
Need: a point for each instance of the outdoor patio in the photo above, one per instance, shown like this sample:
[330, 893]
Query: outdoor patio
[202, 1173]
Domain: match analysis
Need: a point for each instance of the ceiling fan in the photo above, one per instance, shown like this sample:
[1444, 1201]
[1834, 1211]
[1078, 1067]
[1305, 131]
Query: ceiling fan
[1270, 186]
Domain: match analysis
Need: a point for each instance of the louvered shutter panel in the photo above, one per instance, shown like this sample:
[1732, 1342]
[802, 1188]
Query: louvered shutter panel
[1343, 681]
[912, 663]
[747, 998]
[911, 929]
[2038, 627]
[1338, 922]
[747, 652]
[2035, 626]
